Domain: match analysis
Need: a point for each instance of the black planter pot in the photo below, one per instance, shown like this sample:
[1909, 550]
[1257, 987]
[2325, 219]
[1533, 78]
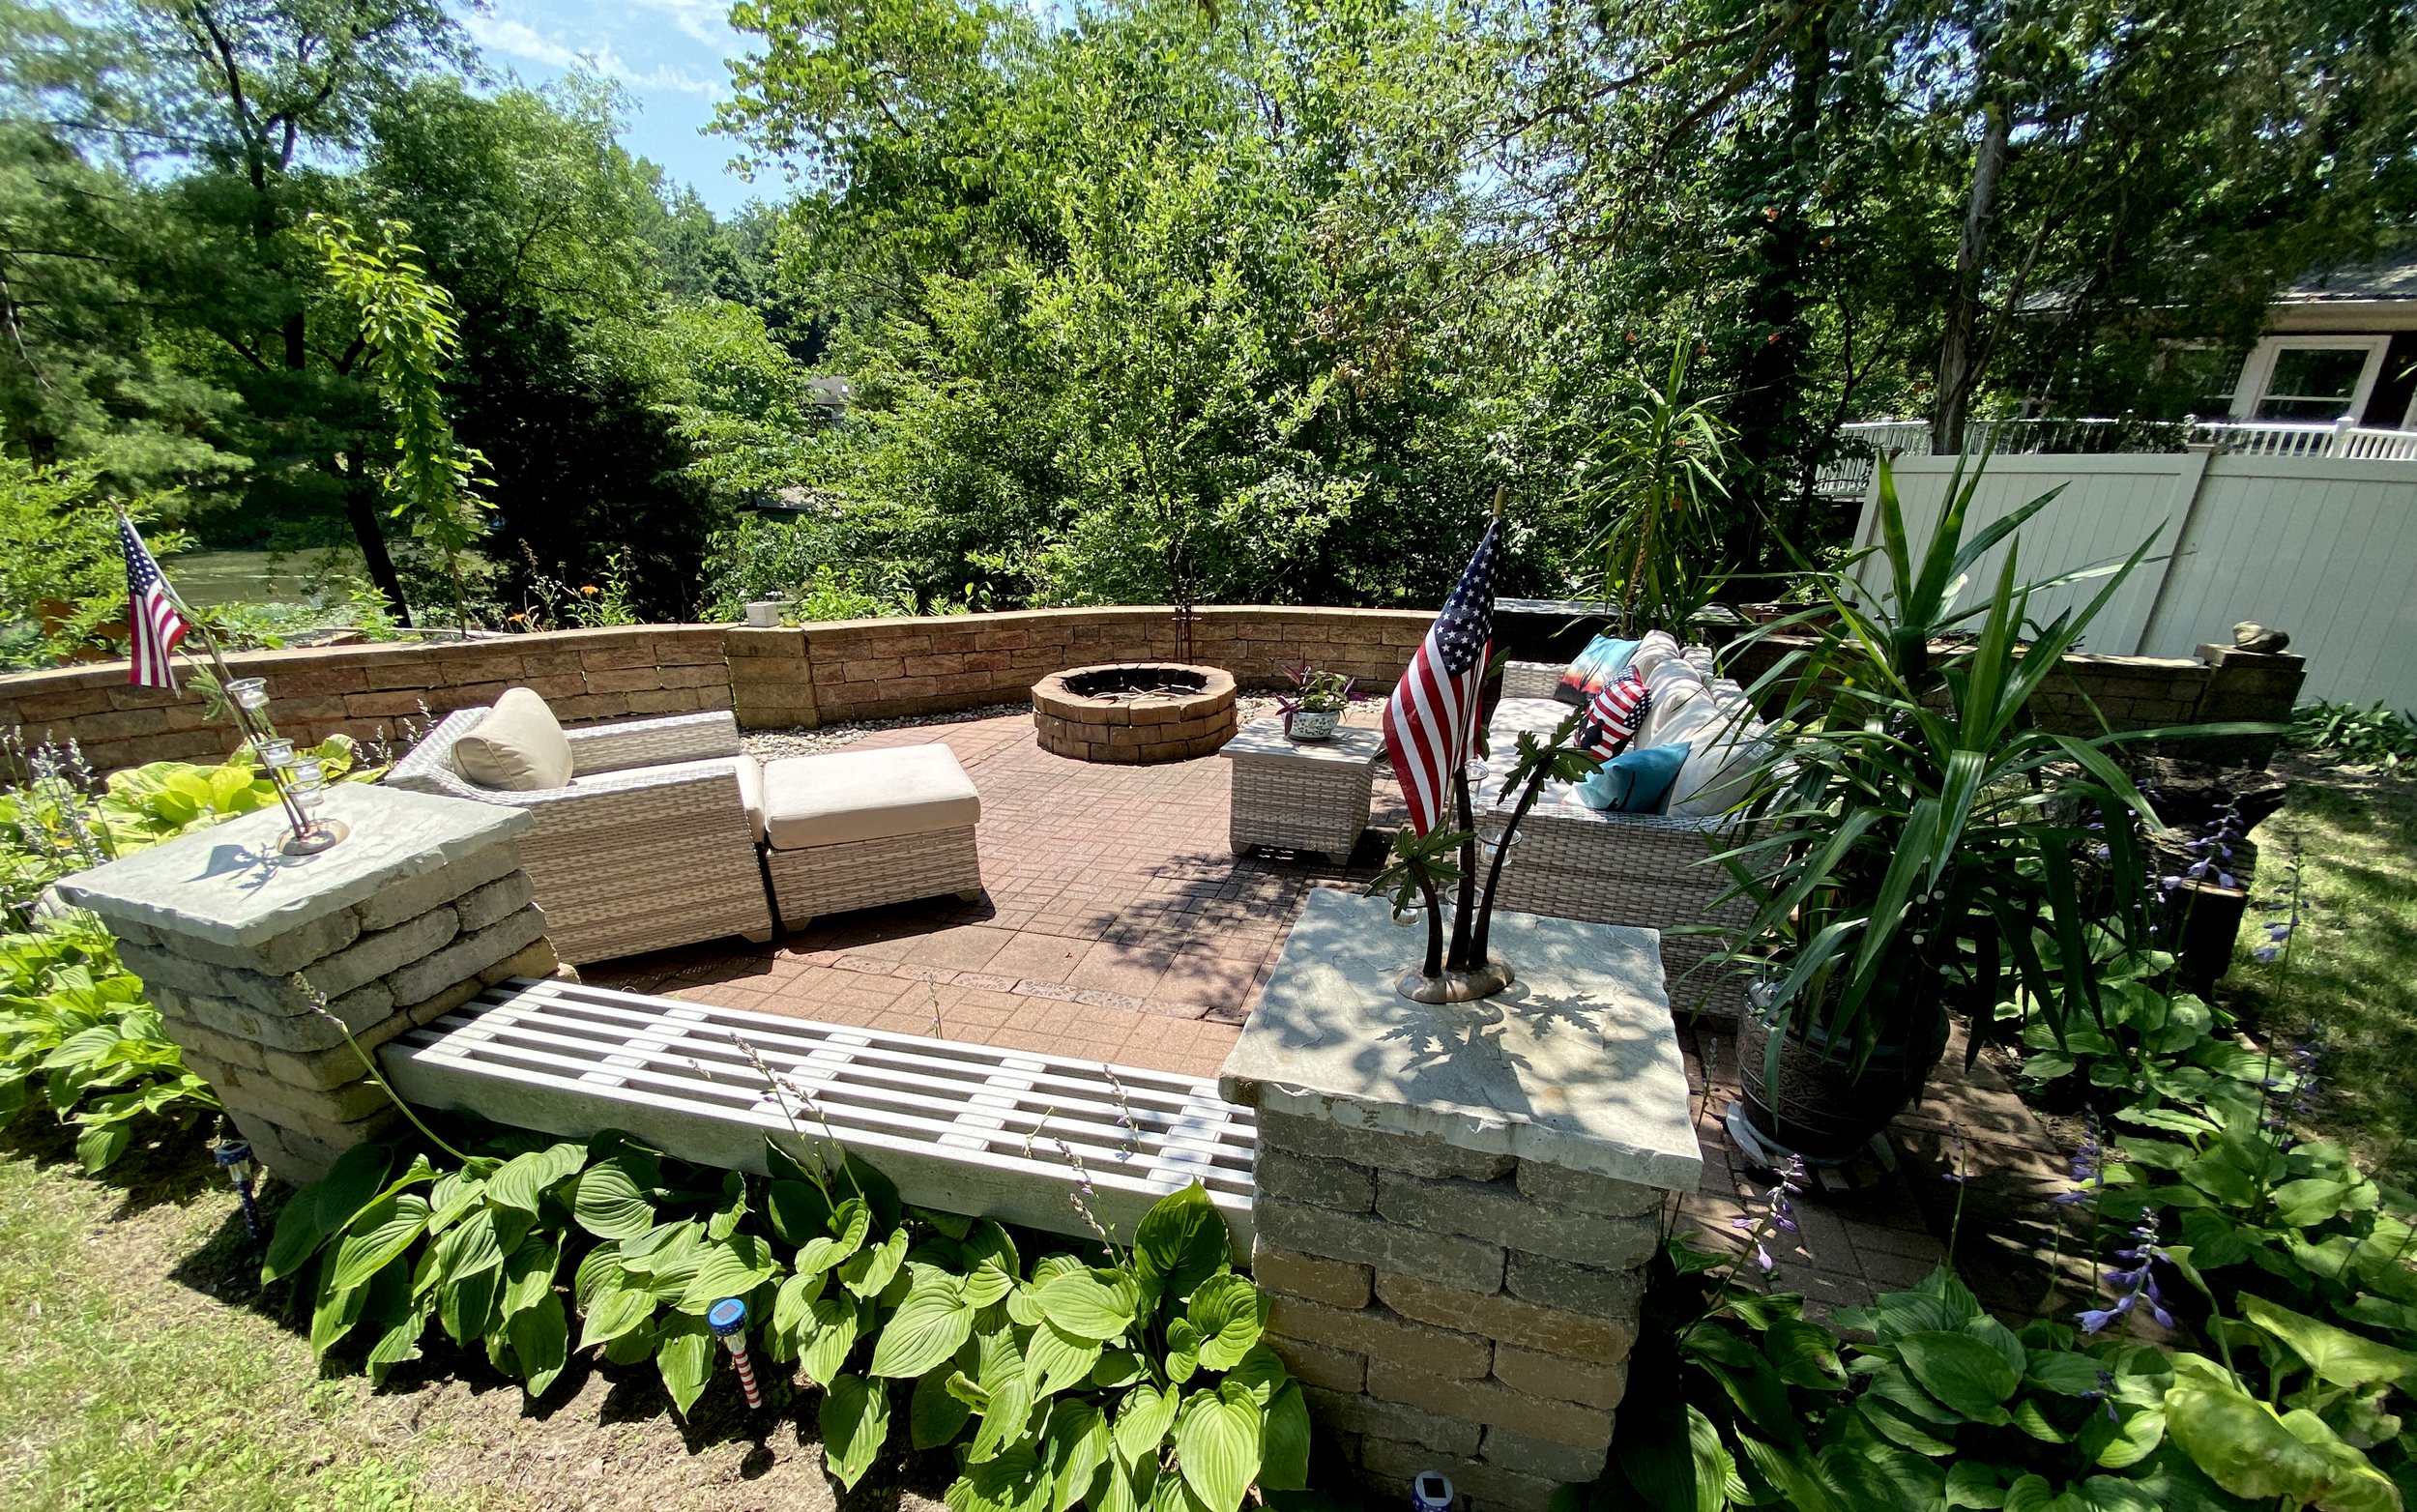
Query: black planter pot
[1820, 1106]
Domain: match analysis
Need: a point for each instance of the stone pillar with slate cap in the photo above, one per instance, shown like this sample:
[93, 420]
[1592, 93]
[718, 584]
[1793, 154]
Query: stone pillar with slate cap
[422, 905]
[1455, 1203]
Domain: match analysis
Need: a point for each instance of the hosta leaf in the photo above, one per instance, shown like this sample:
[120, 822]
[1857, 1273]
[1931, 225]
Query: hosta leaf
[529, 1272]
[613, 1312]
[610, 1203]
[733, 1268]
[798, 1213]
[1229, 1313]
[2338, 1356]
[540, 1336]
[1115, 1368]
[1074, 1451]
[793, 1306]
[854, 1419]
[868, 1270]
[1142, 1421]
[456, 1191]
[600, 1271]
[1006, 1419]
[1012, 1482]
[466, 1249]
[1284, 1450]
[1960, 1371]
[101, 1145]
[1217, 1441]
[684, 1352]
[337, 1309]
[928, 1327]
[833, 1324]
[937, 1415]
[465, 1304]
[635, 1346]
[386, 1228]
[1182, 1355]
[1054, 1360]
[850, 1222]
[400, 1342]
[1181, 1242]
[1259, 1373]
[525, 1179]
[324, 1206]
[1090, 1304]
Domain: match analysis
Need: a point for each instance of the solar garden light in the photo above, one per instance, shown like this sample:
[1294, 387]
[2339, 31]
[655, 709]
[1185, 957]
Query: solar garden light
[234, 1157]
[1431, 1491]
[728, 1319]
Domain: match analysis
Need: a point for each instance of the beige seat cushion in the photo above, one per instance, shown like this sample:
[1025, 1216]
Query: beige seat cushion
[519, 747]
[1656, 647]
[878, 794]
[1543, 715]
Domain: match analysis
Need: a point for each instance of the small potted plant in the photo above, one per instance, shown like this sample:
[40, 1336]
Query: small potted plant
[1316, 705]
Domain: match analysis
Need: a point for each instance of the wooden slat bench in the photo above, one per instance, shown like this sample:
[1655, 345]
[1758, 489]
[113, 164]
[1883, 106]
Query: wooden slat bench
[960, 1128]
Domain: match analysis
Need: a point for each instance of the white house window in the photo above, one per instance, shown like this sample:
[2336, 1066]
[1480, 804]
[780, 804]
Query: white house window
[2317, 379]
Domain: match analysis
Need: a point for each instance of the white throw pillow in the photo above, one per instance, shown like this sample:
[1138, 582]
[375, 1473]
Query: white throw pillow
[518, 748]
[1689, 714]
[1720, 771]
[1656, 647]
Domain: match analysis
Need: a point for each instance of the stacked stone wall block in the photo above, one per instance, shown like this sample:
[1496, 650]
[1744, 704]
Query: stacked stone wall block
[1475, 1317]
[241, 1007]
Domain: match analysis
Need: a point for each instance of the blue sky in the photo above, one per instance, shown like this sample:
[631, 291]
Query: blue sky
[666, 53]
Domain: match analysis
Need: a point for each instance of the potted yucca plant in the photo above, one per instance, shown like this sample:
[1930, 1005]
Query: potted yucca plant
[1915, 827]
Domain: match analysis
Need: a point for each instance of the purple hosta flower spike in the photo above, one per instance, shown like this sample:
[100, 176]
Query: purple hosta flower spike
[2089, 1167]
[1960, 1175]
[2136, 1287]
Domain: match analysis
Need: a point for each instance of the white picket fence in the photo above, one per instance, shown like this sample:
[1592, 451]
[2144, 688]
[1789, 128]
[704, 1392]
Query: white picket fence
[1849, 471]
[2323, 546]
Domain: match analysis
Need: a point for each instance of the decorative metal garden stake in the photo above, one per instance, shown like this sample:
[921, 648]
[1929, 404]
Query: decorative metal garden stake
[234, 1157]
[728, 1319]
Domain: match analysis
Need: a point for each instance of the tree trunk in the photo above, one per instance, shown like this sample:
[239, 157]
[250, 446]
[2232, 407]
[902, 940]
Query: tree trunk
[1769, 407]
[1958, 373]
[360, 512]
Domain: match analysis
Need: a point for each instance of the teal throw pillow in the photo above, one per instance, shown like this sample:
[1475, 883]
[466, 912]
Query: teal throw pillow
[1596, 668]
[1638, 782]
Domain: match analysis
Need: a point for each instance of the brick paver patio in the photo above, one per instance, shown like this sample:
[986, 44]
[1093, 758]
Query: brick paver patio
[1117, 924]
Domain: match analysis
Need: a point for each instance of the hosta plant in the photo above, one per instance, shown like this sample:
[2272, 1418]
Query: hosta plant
[1115, 1378]
[76, 1037]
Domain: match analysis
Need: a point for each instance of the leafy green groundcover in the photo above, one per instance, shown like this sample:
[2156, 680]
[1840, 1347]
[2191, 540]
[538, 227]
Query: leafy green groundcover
[1118, 1380]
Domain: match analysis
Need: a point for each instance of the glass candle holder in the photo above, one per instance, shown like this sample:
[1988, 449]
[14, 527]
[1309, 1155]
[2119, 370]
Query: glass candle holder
[310, 782]
[249, 693]
[276, 755]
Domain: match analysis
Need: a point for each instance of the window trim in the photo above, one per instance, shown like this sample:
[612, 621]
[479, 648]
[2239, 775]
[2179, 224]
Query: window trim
[2258, 370]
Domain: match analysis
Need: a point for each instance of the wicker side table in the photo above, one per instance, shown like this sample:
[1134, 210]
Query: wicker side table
[1301, 794]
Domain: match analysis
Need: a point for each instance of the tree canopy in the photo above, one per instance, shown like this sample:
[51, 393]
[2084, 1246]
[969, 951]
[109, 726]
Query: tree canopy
[1153, 300]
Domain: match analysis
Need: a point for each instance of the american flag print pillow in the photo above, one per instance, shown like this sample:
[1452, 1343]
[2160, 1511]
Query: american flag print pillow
[1613, 714]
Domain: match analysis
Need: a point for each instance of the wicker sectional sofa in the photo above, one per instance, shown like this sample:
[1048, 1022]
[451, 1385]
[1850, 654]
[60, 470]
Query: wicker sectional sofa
[651, 845]
[1572, 861]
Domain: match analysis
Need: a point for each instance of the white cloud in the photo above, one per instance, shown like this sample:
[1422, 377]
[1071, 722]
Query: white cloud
[519, 39]
[705, 20]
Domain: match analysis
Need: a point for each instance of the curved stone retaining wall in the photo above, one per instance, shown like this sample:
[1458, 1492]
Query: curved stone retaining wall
[869, 669]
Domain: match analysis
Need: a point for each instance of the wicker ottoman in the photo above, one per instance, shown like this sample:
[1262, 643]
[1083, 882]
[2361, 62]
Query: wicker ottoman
[853, 829]
[1301, 794]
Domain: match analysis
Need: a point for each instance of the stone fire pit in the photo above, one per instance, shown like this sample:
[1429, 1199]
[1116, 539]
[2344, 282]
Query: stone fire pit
[1134, 711]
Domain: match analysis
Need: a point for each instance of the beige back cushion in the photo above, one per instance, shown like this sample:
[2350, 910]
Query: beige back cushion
[519, 747]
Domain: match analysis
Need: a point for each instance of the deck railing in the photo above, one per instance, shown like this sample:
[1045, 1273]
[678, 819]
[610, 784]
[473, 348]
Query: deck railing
[1847, 471]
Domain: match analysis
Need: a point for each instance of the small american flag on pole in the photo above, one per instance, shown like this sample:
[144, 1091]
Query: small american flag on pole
[153, 625]
[1431, 720]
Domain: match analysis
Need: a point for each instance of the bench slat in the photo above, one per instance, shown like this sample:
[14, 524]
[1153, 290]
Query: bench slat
[960, 1128]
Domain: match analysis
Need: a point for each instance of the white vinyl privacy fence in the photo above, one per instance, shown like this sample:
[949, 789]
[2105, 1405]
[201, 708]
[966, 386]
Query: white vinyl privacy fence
[2323, 547]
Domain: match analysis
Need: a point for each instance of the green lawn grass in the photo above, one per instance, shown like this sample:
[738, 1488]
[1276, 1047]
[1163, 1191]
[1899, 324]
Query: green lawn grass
[2351, 970]
[136, 1376]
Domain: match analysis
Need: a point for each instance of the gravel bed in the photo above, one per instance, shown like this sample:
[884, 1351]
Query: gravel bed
[771, 744]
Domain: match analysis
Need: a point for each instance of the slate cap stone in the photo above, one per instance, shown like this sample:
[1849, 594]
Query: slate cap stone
[1575, 1065]
[231, 885]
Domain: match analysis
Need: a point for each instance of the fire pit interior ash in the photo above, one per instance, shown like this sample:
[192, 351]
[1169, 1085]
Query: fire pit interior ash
[1134, 711]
